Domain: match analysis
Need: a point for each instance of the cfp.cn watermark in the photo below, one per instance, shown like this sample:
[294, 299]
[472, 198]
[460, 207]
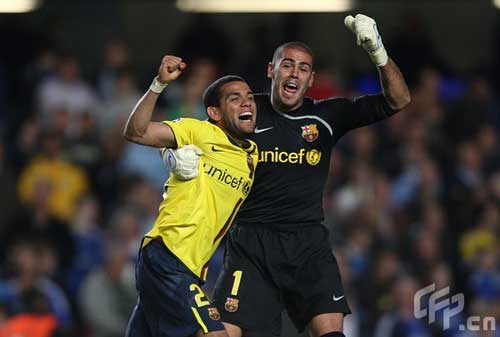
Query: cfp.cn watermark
[450, 306]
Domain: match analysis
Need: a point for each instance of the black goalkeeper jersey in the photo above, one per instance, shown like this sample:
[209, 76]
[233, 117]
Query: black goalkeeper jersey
[294, 156]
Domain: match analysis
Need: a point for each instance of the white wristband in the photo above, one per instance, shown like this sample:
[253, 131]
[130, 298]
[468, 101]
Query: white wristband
[156, 86]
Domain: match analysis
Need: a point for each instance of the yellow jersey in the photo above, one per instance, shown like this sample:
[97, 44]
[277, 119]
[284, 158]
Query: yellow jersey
[195, 214]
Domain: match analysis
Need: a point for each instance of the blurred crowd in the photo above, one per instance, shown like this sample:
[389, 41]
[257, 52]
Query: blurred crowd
[409, 202]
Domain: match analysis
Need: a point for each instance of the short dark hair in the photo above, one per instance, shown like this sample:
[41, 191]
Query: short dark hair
[213, 94]
[292, 45]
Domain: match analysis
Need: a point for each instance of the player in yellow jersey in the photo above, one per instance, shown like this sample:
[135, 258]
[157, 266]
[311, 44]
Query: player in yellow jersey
[195, 214]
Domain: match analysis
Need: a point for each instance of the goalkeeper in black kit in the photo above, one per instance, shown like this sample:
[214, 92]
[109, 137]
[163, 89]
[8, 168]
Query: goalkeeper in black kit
[278, 255]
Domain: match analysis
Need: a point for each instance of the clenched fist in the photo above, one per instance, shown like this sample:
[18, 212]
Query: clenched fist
[170, 68]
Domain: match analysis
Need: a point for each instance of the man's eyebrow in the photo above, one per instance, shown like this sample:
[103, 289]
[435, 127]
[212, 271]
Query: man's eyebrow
[293, 61]
[235, 93]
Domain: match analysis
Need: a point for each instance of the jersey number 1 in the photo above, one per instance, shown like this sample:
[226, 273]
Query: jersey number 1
[236, 284]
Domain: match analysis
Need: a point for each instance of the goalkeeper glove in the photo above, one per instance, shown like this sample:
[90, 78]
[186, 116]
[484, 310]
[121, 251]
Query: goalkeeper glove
[183, 162]
[365, 29]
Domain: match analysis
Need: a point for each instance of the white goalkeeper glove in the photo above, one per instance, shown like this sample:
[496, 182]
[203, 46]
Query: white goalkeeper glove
[365, 29]
[183, 162]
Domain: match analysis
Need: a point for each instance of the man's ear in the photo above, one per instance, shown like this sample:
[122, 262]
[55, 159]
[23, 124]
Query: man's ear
[270, 68]
[311, 80]
[214, 113]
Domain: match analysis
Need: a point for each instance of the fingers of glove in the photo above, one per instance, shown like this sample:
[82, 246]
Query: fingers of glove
[365, 30]
[349, 23]
[362, 17]
[194, 149]
[188, 156]
[368, 40]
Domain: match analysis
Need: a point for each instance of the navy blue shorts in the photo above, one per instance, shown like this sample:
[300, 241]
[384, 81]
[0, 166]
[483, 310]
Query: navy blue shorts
[171, 302]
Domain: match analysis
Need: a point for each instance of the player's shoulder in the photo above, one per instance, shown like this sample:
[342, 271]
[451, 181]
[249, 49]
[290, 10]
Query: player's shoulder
[330, 101]
[186, 122]
[312, 106]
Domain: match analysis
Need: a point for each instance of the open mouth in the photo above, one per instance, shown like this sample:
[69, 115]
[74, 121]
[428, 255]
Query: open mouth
[290, 87]
[246, 116]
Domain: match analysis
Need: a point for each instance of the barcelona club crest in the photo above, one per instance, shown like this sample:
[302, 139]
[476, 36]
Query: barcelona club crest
[213, 313]
[231, 304]
[310, 132]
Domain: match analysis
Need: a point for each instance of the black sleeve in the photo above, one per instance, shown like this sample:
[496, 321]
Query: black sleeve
[345, 114]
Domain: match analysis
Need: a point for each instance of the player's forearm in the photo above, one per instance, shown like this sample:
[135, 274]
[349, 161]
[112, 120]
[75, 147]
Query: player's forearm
[140, 117]
[394, 86]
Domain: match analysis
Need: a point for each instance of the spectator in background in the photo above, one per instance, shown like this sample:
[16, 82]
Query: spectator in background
[400, 321]
[25, 145]
[31, 264]
[356, 192]
[40, 68]
[185, 97]
[108, 296]
[483, 238]
[88, 241]
[466, 191]
[445, 325]
[35, 321]
[125, 228]
[478, 107]
[107, 180]
[487, 141]
[66, 90]
[143, 198]
[66, 182]
[362, 146]
[374, 297]
[35, 221]
[116, 57]
[426, 254]
[84, 150]
[116, 106]
[484, 281]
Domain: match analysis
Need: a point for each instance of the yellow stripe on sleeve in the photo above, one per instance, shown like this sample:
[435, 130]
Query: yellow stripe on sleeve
[198, 318]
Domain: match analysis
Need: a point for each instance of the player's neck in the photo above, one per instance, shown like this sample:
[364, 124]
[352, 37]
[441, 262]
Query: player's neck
[238, 141]
[280, 107]
[235, 139]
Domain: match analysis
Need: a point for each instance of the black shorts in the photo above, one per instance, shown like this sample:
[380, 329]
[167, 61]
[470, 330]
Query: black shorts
[171, 302]
[266, 271]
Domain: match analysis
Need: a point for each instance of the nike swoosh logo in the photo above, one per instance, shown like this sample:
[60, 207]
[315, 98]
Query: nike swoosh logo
[337, 298]
[257, 130]
[215, 149]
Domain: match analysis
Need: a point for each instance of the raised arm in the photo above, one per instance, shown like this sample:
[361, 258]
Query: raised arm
[139, 127]
[394, 86]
